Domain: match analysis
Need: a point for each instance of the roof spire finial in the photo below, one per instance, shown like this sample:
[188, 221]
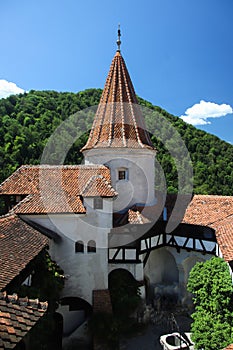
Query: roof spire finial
[119, 38]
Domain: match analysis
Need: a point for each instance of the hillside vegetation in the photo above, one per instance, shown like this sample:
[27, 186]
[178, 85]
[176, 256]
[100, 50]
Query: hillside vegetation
[27, 120]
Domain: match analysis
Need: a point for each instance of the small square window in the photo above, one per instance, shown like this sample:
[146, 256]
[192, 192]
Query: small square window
[121, 175]
[98, 203]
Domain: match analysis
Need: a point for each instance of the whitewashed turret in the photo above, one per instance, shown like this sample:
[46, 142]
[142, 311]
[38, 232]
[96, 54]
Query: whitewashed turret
[119, 139]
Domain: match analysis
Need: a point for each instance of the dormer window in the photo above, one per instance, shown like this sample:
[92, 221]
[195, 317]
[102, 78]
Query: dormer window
[98, 203]
[122, 174]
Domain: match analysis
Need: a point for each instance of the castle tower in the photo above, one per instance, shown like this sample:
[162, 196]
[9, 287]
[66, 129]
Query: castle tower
[119, 139]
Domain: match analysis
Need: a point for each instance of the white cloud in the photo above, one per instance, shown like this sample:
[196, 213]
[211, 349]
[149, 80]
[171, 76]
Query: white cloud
[199, 113]
[7, 88]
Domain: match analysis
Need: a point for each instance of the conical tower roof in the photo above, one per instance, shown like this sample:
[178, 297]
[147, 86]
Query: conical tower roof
[118, 121]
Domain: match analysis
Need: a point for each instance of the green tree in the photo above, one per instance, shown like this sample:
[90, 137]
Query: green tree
[125, 293]
[27, 121]
[211, 285]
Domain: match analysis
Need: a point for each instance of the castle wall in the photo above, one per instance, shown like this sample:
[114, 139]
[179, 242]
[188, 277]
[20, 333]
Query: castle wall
[85, 270]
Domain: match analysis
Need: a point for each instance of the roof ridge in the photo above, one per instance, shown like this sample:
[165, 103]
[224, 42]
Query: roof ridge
[212, 195]
[140, 217]
[92, 178]
[103, 179]
[15, 299]
[24, 200]
[9, 215]
[221, 219]
[65, 166]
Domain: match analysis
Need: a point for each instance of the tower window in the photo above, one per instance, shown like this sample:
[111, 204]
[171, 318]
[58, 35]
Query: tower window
[122, 174]
[98, 203]
[91, 247]
[79, 247]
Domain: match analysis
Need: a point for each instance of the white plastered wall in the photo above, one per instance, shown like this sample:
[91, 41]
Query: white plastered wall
[85, 271]
[138, 187]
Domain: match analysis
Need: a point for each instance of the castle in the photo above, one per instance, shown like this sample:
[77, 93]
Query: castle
[100, 216]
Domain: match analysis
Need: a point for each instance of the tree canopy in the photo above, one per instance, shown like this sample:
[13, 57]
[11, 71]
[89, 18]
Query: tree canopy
[211, 285]
[27, 120]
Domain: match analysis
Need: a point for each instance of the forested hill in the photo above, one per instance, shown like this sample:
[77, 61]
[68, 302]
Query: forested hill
[27, 120]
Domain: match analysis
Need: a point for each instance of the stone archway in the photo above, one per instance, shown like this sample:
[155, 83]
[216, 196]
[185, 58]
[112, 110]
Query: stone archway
[75, 312]
[162, 271]
[161, 267]
[120, 276]
[124, 291]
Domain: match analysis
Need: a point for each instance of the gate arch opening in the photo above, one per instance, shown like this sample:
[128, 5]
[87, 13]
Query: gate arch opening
[163, 273]
[161, 268]
[75, 311]
[124, 291]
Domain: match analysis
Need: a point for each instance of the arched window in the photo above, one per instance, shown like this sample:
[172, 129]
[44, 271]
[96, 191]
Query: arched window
[79, 247]
[91, 247]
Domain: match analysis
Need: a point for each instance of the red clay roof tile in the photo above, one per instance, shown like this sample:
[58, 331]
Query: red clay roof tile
[207, 210]
[37, 204]
[55, 189]
[118, 121]
[98, 186]
[135, 217]
[19, 244]
[224, 235]
[19, 318]
[30, 179]
[215, 212]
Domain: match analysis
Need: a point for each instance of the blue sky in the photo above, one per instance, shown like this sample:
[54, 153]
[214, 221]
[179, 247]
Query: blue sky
[179, 53]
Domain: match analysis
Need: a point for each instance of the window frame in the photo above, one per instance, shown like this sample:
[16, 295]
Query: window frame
[120, 172]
